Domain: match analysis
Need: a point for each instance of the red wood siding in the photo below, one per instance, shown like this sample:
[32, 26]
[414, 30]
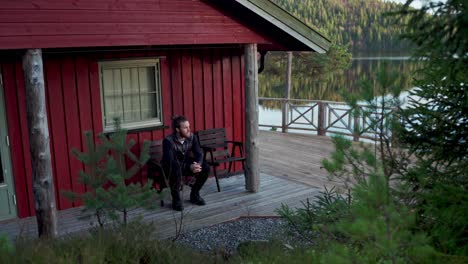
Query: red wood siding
[89, 23]
[218, 89]
[197, 75]
[206, 85]
[237, 99]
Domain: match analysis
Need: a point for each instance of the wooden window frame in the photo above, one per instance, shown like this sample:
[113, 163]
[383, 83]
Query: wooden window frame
[125, 63]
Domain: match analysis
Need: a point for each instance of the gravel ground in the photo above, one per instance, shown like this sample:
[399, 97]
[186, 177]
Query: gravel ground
[230, 234]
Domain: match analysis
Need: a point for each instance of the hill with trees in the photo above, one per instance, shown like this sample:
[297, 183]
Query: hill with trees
[361, 24]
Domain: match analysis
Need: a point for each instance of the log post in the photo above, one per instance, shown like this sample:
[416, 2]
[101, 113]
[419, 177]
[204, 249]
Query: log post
[252, 177]
[43, 184]
[287, 95]
[321, 119]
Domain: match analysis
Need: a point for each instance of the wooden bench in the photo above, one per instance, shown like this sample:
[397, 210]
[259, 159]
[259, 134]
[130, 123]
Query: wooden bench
[216, 152]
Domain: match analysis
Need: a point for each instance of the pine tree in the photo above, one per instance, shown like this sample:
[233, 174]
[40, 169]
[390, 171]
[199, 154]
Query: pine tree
[438, 113]
[109, 194]
[437, 122]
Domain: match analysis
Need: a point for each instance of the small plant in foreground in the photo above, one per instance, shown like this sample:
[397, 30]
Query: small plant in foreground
[313, 219]
[111, 194]
[132, 243]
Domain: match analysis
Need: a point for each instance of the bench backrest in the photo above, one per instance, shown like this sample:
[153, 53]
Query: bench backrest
[156, 151]
[214, 138]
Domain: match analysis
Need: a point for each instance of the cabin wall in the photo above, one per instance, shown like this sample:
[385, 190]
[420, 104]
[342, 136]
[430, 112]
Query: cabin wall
[205, 85]
[90, 23]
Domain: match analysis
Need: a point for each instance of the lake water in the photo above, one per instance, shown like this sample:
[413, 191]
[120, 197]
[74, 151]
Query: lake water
[363, 67]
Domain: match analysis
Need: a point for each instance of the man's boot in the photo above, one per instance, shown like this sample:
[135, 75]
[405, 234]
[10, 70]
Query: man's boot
[195, 198]
[177, 203]
[201, 178]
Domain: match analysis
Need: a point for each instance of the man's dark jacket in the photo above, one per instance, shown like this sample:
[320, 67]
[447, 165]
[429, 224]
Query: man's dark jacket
[181, 154]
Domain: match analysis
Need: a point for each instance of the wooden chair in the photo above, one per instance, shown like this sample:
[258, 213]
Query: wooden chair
[215, 151]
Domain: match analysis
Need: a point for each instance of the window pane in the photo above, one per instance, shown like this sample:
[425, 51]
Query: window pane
[135, 98]
[112, 85]
[127, 89]
[118, 104]
[148, 106]
[108, 90]
[147, 85]
[146, 75]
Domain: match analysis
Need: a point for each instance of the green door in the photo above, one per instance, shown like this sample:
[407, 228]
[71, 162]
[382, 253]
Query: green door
[7, 194]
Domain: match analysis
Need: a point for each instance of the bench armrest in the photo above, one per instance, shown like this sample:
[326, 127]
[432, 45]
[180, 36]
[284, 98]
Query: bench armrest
[214, 146]
[209, 148]
[234, 142]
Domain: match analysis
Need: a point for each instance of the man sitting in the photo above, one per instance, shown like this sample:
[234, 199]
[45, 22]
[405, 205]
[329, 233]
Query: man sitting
[182, 156]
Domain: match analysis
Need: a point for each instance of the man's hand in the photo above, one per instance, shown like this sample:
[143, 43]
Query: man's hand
[195, 167]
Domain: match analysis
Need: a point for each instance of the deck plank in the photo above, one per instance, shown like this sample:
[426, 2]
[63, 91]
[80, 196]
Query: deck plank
[301, 157]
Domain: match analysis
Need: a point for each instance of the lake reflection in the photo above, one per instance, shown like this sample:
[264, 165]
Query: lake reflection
[328, 87]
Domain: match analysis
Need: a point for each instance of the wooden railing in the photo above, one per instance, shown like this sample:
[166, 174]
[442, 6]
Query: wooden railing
[326, 117]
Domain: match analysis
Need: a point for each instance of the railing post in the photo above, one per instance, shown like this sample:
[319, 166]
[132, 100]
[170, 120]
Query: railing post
[356, 128]
[357, 113]
[287, 94]
[284, 114]
[321, 119]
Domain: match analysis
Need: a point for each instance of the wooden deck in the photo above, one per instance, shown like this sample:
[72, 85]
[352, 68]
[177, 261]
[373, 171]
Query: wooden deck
[296, 157]
[290, 173]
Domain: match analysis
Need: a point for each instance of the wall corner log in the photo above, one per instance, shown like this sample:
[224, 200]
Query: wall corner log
[252, 177]
[43, 184]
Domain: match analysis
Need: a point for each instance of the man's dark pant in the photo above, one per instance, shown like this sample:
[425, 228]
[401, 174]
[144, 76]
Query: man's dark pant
[176, 170]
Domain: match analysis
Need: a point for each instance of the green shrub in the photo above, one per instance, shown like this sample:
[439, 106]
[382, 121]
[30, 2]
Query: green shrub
[133, 243]
[6, 248]
[274, 252]
[442, 209]
[312, 221]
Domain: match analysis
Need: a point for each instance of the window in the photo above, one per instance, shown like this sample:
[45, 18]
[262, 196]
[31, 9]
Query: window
[131, 91]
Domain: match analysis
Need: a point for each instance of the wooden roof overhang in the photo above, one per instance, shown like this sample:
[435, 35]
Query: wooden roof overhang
[288, 32]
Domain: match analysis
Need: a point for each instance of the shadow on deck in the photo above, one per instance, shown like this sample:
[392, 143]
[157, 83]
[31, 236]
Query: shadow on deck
[289, 180]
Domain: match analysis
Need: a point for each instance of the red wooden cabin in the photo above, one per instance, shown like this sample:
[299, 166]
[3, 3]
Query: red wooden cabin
[142, 60]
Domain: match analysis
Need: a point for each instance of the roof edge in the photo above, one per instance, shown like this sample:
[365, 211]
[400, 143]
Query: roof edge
[314, 40]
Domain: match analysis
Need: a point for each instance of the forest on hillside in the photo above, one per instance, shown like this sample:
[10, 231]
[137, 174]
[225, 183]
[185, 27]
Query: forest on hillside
[361, 24]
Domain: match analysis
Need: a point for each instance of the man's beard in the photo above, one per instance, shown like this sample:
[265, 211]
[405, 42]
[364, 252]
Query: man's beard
[181, 135]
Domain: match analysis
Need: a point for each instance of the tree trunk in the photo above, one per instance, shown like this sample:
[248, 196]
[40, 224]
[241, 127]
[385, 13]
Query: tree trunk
[252, 179]
[43, 184]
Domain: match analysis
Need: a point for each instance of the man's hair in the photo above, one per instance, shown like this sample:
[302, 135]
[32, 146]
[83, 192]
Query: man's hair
[176, 121]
